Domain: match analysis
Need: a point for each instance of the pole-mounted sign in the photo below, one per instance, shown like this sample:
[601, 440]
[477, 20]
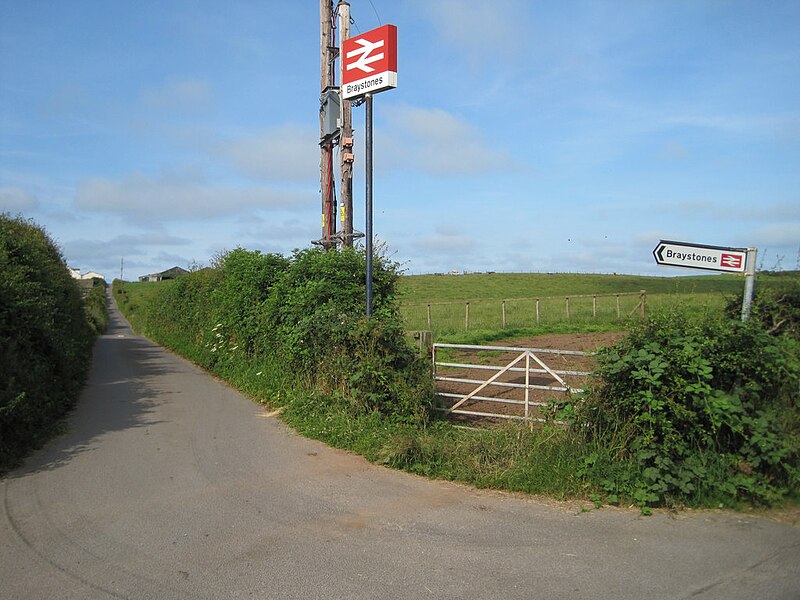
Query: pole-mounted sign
[700, 256]
[369, 62]
[369, 66]
[712, 258]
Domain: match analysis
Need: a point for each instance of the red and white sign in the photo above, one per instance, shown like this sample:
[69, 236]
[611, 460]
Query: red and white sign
[369, 62]
[733, 261]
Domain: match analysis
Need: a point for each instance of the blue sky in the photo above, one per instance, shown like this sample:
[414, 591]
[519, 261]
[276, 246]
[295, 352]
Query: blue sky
[522, 136]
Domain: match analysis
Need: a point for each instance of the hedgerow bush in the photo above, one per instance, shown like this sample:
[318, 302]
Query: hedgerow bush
[94, 304]
[695, 408]
[776, 307]
[306, 314]
[45, 337]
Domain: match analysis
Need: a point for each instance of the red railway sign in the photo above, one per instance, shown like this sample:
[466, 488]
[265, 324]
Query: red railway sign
[369, 62]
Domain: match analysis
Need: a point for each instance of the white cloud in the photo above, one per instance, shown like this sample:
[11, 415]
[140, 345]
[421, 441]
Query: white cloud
[285, 153]
[445, 240]
[177, 196]
[184, 95]
[438, 143]
[479, 29]
[14, 200]
[776, 235]
[92, 251]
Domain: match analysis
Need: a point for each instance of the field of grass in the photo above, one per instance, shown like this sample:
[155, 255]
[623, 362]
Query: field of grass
[421, 289]
[439, 302]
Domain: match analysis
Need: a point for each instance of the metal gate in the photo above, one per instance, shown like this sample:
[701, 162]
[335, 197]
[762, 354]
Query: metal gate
[521, 380]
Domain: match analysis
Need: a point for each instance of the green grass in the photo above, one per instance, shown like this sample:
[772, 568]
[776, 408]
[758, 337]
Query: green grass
[133, 299]
[444, 298]
[421, 289]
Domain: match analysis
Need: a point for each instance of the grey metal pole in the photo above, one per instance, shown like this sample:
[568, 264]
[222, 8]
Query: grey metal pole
[368, 177]
[749, 281]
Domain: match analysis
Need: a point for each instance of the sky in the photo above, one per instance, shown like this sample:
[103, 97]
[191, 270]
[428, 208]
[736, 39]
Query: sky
[523, 135]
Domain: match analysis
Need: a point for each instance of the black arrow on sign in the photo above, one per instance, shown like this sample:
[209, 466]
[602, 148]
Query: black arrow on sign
[657, 253]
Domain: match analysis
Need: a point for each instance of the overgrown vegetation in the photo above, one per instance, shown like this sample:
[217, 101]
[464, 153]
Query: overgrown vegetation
[257, 313]
[776, 307]
[692, 408]
[46, 336]
[696, 410]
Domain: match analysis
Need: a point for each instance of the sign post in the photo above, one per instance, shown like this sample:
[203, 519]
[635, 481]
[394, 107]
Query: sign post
[749, 281]
[369, 66]
[711, 258]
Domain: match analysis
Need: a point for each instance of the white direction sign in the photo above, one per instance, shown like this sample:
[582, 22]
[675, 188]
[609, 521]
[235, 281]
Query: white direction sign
[700, 256]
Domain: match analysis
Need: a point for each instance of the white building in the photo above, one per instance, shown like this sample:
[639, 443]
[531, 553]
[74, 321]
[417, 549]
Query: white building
[76, 274]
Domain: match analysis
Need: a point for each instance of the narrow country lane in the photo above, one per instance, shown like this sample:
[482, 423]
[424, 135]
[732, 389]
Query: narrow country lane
[169, 484]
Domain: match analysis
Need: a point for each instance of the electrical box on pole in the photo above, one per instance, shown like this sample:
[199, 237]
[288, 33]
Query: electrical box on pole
[331, 114]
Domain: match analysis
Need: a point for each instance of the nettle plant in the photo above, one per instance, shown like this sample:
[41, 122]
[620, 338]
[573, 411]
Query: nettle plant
[697, 408]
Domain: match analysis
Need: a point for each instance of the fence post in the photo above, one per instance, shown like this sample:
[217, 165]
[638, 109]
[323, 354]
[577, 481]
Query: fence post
[619, 314]
[567, 305]
[537, 311]
[504, 314]
[429, 318]
[642, 301]
[594, 306]
[466, 317]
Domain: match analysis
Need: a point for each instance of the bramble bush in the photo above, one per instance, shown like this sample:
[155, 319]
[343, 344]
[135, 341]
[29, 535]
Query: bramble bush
[46, 336]
[776, 307]
[304, 313]
[694, 408]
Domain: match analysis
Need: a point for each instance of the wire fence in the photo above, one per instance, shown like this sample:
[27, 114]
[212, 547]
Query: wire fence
[523, 312]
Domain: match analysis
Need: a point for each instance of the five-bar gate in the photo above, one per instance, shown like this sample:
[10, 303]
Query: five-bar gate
[519, 379]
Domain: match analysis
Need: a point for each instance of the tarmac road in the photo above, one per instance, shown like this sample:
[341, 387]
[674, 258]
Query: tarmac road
[170, 484]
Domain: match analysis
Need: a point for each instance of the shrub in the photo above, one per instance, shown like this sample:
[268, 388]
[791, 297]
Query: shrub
[45, 339]
[95, 308]
[246, 281]
[305, 312]
[776, 307]
[706, 405]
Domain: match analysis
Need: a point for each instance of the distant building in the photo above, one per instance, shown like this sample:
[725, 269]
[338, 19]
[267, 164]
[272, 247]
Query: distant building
[92, 275]
[76, 274]
[164, 275]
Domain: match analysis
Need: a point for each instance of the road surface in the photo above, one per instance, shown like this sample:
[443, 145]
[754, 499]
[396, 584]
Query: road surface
[170, 484]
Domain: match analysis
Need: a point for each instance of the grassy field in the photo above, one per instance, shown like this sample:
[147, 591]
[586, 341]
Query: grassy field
[593, 300]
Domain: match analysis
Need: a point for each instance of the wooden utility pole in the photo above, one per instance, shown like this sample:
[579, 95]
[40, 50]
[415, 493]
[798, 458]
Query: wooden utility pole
[326, 61]
[346, 140]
